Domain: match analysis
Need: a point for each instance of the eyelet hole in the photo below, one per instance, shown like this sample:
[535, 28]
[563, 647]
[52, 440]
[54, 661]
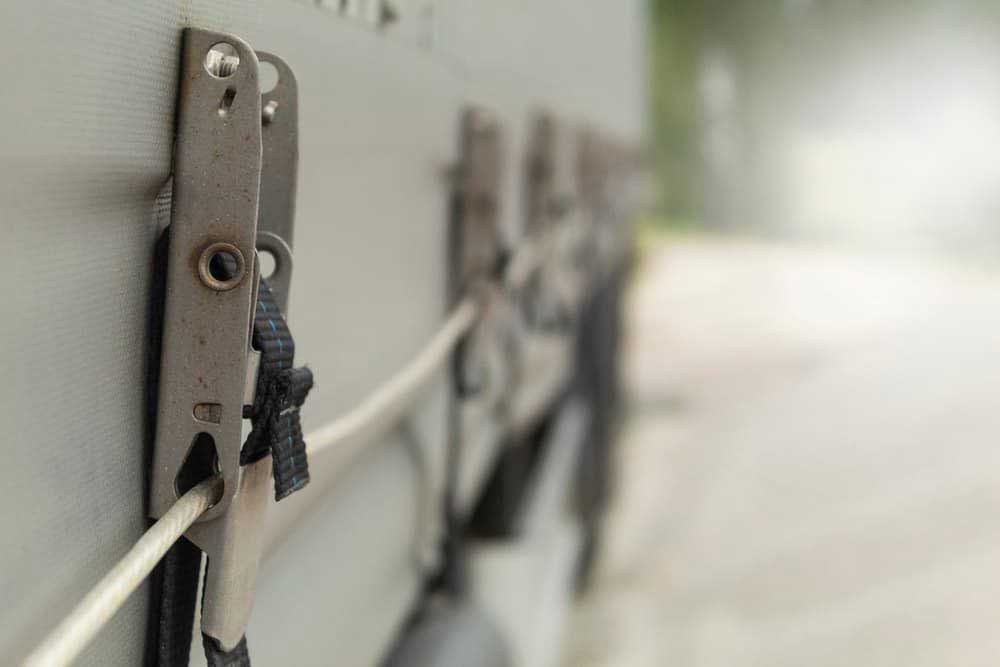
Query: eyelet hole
[221, 266]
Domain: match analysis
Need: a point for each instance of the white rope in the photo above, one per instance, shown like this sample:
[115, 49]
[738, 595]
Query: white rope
[379, 411]
[389, 402]
[70, 637]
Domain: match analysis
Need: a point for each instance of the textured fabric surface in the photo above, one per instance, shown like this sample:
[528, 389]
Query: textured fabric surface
[85, 146]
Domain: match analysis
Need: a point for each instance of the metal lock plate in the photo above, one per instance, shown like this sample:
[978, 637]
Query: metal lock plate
[475, 230]
[226, 171]
[594, 162]
[211, 268]
[548, 184]
[279, 175]
[475, 244]
[553, 223]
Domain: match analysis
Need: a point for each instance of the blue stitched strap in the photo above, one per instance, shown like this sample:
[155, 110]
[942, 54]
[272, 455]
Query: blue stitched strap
[288, 449]
[281, 390]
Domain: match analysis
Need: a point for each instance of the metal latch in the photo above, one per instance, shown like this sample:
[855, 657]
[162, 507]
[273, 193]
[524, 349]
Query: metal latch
[476, 252]
[475, 228]
[227, 170]
[549, 196]
[551, 222]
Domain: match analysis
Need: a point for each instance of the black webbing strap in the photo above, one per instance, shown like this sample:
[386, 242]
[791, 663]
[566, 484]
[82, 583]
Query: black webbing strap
[281, 390]
[175, 594]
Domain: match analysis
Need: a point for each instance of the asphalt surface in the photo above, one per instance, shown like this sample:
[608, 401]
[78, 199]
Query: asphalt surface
[810, 473]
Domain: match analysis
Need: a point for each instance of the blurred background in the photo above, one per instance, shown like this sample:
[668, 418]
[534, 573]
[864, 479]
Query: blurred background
[809, 469]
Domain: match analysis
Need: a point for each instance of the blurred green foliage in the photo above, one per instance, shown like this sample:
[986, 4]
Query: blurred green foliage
[779, 54]
[682, 31]
[675, 31]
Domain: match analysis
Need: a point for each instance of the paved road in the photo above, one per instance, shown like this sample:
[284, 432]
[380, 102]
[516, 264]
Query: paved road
[811, 472]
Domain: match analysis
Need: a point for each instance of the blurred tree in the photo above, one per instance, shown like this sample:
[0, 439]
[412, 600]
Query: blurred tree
[703, 52]
[676, 31]
[733, 79]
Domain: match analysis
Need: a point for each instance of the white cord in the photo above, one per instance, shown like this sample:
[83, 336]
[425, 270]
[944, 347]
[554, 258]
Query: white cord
[390, 401]
[70, 637]
[379, 411]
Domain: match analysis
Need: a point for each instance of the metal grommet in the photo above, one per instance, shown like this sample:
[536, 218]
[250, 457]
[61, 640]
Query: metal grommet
[227, 271]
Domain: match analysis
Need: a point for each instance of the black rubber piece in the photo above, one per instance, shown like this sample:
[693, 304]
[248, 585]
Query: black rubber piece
[217, 657]
[597, 383]
[451, 634]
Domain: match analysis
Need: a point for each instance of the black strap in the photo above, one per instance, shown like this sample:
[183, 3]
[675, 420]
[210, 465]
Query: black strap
[281, 390]
[175, 594]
